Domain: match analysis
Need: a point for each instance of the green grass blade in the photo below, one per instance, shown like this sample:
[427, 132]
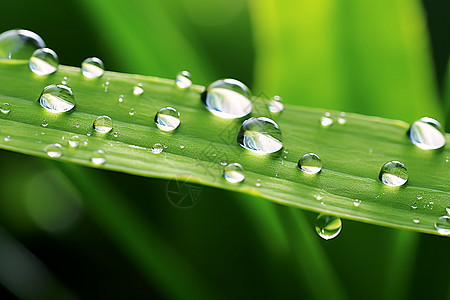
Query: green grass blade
[352, 153]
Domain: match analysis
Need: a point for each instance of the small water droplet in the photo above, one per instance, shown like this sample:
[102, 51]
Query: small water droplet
[98, 157]
[53, 150]
[44, 61]
[258, 182]
[157, 148]
[326, 121]
[416, 221]
[88, 134]
[393, 173]
[165, 146]
[342, 114]
[5, 108]
[275, 104]
[138, 89]
[57, 98]
[446, 159]
[106, 86]
[260, 135]
[228, 99]
[92, 67]
[77, 125]
[234, 173]
[182, 146]
[419, 197]
[121, 98]
[103, 124]
[414, 205]
[115, 134]
[341, 121]
[44, 123]
[426, 134]
[318, 197]
[167, 119]
[132, 112]
[276, 174]
[64, 81]
[442, 225]
[447, 210]
[328, 227]
[74, 141]
[183, 79]
[19, 44]
[310, 163]
[356, 202]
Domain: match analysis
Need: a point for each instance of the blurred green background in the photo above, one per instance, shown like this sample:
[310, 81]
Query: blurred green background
[73, 232]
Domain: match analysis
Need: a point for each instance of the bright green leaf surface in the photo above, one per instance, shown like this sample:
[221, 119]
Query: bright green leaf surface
[352, 153]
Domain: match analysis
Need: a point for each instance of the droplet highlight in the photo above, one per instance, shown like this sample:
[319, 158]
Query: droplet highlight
[167, 119]
[427, 134]
[234, 173]
[157, 148]
[44, 61]
[57, 98]
[183, 79]
[103, 124]
[228, 99]
[260, 135]
[53, 150]
[5, 108]
[442, 225]
[328, 227]
[276, 105]
[138, 89]
[393, 173]
[74, 141]
[310, 163]
[98, 157]
[92, 67]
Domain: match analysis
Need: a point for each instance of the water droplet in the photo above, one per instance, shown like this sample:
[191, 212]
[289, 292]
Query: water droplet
[167, 119]
[44, 123]
[414, 205]
[88, 134]
[356, 202]
[181, 146]
[103, 124]
[446, 159]
[138, 90]
[53, 150]
[326, 121]
[98, 157]
[427, 134]
[448, 210]
[260, 135]
[183, 79]
[416, 221]
[328, 227]
[121, 98]
[419, 197]
[64, 81]
[165, 146]
[258, 182]
[7, 139]
[228, 99]
[442, 225]
[44, 61]
[393, 173]
[106, 86]
[115, 134]
[341, 121]
[234, 173]
[132, 112]
[223, 163]
[310, 163]
[92, 67]
[157, 148]
[318, 197]
[276, 104]
[5, 108]
[19, 44]
[74, 141]
[57, 98]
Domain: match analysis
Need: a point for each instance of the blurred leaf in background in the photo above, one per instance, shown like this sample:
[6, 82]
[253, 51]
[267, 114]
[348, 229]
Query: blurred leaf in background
[117, 236]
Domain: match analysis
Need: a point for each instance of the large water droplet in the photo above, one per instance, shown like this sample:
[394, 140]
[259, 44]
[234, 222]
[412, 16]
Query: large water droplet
[57, 98]
[310, 163]
[19, 44]
[5, 108]
[98, 157]
[228, 99]
[167, 119]
[44, 61]
[260, 135]
[234, 173]
[92, 67]
[393, 173]
[103, 124]
[183, 79]
[328, 227]
[275, 104]
[53, 150]
[442, 225]
[427, 134]
[157, 148]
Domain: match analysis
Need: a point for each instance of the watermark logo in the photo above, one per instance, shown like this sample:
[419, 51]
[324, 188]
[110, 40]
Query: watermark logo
[183, 194]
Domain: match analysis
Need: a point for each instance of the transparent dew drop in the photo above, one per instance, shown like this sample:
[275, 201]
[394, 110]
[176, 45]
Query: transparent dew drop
[416, 221]
[427, 134]
[393, 173]
[182, 146]
[310, 163]
[276, 105]
[5, 108]
[64, 81]
[228, 99]
[7, 138]
[121, 98]
[98, 157]
[19, 44]
[57, 98]
[234, 173]
[138, 89]
[414, 205]
[53, 150]
[92, 67]
[442, 225]
[341, 121]
[260, 135]
[328, 227]
[326, 121]
[258, 182]
[44, 123]
[132, 112]
[167, 119]
[44, 61]
[74, 141]
[223, 163]
[103, 124]
[448, 211]
[157, 148]
[356, 202]
[183, 79]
